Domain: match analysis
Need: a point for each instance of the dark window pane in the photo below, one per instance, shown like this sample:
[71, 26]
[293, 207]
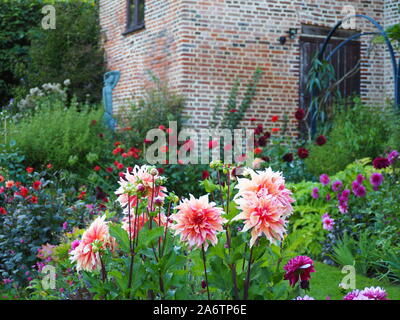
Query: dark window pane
[131, 13]
[141, 12]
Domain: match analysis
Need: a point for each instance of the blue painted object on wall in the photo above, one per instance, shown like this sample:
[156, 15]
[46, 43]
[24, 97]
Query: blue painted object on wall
[110, 81]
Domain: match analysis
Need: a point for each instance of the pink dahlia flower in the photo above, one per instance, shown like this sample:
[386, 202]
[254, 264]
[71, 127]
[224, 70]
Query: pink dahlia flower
[263, 183]
[372, 293]
[304, 298]
[139, 179]
[197, 221]
[375, 293]
[263, 215]
[297, 268]
[328, 223]
[94, 239]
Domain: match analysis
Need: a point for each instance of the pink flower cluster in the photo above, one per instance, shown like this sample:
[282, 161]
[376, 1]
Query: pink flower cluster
[144, 180]
[265, 204]
[372, 293]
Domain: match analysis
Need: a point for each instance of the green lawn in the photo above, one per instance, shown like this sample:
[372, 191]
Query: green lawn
[325, 281]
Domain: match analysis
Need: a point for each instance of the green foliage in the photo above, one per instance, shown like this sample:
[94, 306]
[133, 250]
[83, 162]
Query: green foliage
[62, 137]
[157, 108]
[234, 113]
[358, 132]
[323, 90]
[71, 51]
[17, 17]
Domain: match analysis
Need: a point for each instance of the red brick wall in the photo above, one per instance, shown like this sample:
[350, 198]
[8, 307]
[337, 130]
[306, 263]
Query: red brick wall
[201, 46]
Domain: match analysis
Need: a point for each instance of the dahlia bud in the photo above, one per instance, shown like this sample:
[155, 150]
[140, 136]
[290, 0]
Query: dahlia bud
[153, 172]
[158, 201]
[305, 285]
[140, 188]
[203, 284]
[215, 164]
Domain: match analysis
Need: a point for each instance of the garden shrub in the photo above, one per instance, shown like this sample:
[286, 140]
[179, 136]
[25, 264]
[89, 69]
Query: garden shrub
[154, 110]
[17, 17]
[358, 132]
[71, 51]
[61, 136]
[364, 219]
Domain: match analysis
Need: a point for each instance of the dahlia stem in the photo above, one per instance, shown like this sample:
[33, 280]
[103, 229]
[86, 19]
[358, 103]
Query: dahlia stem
[220, 189]
[205, 270]
[130, 243]
[247, 283]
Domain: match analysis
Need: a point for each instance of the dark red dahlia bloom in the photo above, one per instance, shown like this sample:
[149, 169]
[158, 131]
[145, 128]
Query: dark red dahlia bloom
[288, 157]
[299, 268]
[205, 175]
[321, 140]
[302, 153]
[259, 129]
[300, 114]
[262, 141]
[381, 163]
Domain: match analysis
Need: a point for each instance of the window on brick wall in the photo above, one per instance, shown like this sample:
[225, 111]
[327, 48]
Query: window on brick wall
[135, 15]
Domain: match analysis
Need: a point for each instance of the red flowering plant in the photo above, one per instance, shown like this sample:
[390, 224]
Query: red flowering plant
[32, 213]
[279, 149]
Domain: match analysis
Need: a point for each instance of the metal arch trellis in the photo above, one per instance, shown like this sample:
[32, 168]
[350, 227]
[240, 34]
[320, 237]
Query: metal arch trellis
[395, 65]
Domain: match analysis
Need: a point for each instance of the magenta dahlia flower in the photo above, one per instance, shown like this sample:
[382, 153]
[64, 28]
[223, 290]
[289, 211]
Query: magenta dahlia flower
[315, 193]
[376, 180]
[360, 178]
[324, 179]
[358, 189]
[393, 156]
[353, 295]
[337, 186]
[297, 268]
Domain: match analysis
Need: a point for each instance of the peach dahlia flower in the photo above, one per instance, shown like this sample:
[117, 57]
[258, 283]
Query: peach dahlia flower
[94, 239]
[135, 177]
[263, 216]
[197, 221]
[263, 183]
[265, 204]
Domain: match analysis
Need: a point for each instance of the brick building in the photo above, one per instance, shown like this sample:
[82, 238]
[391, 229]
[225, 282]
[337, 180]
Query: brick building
[199, 47]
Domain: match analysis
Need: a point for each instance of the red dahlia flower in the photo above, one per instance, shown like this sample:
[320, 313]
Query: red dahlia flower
[300, 114]
[381, 163]
[288, 157]
[302, 153]
[321, 140]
